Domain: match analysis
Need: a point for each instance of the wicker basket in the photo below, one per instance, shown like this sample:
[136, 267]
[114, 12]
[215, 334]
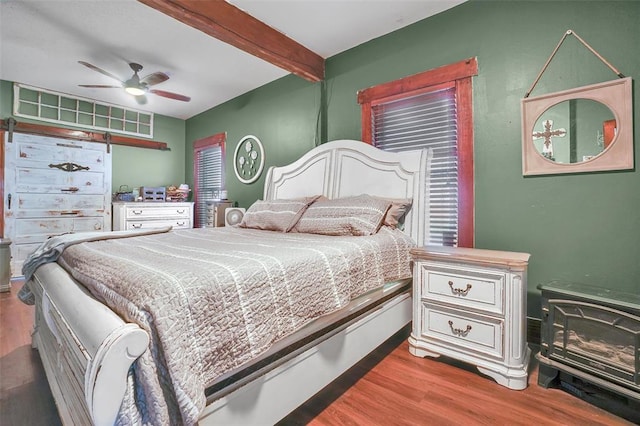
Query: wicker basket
[178, 194]
[124, 194]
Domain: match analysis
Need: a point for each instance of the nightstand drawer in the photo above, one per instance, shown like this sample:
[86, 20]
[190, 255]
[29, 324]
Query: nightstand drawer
[160, 211]
[469, 287]
[149, 224]
[476, 333]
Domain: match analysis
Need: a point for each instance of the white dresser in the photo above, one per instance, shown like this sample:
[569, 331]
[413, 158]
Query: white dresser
[145, 215]
[470, 304]
[53, 186]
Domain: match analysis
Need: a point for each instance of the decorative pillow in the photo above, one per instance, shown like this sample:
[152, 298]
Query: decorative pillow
[275, 215]
[397, 211]
[360, 215]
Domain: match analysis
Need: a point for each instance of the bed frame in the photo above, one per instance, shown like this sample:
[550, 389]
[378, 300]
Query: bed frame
[87, 350]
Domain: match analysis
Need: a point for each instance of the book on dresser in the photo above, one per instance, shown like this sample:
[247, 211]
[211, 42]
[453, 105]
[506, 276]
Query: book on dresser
[146, 215]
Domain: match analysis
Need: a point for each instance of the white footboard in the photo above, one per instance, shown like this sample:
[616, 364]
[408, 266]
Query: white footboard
[86, 349]
[269, 398]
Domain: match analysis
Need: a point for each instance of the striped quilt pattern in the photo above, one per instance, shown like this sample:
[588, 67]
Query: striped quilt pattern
[212, 299]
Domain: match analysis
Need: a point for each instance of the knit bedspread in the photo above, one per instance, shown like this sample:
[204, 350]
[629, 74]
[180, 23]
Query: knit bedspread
[213, 299]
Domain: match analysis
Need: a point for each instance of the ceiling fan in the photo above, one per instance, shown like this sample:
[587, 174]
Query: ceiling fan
[136, 86]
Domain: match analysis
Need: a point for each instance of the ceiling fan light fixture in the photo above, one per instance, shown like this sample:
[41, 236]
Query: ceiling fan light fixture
[137, 86]
[133, 90]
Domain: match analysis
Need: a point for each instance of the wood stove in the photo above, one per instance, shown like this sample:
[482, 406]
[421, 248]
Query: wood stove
[590, 345]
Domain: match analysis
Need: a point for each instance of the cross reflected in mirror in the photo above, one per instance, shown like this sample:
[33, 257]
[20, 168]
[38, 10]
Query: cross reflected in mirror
[547, 134]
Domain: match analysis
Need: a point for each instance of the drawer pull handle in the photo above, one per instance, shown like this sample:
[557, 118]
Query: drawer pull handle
[68, 167]
[180, 223]
[459, 331]
[136, 225]
[460, 291]
[180, 211]
[136, 211]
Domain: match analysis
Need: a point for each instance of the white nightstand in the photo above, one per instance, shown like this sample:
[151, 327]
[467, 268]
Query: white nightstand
[470, 304]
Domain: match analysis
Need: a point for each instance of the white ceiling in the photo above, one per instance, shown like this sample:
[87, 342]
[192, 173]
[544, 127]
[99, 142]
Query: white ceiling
[41, 42]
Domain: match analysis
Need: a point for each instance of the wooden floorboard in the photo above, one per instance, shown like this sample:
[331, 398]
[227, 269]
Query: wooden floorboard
[25, 398]
[394, 387]
[390, 387]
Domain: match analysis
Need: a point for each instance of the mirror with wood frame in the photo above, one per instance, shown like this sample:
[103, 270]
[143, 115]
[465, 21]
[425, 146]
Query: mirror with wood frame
[584, 129]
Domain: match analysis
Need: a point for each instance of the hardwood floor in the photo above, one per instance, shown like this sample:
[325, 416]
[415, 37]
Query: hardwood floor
[390, 387]
[395, 388]
[25, 398]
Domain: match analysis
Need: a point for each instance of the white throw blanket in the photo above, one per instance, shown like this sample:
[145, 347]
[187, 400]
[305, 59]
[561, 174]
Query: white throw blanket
[51, 249]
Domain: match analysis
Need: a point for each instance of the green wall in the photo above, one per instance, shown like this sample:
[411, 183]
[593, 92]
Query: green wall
[133, 166]
[138, 167]
[582, 227]
[283, 115]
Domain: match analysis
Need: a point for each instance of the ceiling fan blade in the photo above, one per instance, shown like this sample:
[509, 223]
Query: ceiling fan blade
[100, 70]
[170, 95]
[155, 78]
[141, 100]
[100, 86]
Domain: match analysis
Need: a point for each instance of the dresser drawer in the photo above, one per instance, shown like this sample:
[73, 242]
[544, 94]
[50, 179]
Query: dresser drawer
[472, 332]
[37, 230]
[149, 224]
[470, 287]
[152, 215]
[143, 212]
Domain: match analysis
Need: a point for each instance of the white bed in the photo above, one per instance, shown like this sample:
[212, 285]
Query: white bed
[87, 350]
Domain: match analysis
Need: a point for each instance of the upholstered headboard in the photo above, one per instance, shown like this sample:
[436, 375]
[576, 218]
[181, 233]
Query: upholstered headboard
[345, 168]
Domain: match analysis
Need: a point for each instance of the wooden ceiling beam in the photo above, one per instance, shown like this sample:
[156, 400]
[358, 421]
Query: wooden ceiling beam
[232, 25]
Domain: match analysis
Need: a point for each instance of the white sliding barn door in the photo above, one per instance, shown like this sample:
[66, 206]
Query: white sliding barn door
[53, 186]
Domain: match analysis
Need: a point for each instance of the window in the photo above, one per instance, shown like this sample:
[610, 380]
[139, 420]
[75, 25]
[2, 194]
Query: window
[54, 107]
[208, 173]
[431, 109]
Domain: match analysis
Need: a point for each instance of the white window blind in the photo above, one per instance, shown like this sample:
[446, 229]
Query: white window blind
[427, 120]
[209, 180]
